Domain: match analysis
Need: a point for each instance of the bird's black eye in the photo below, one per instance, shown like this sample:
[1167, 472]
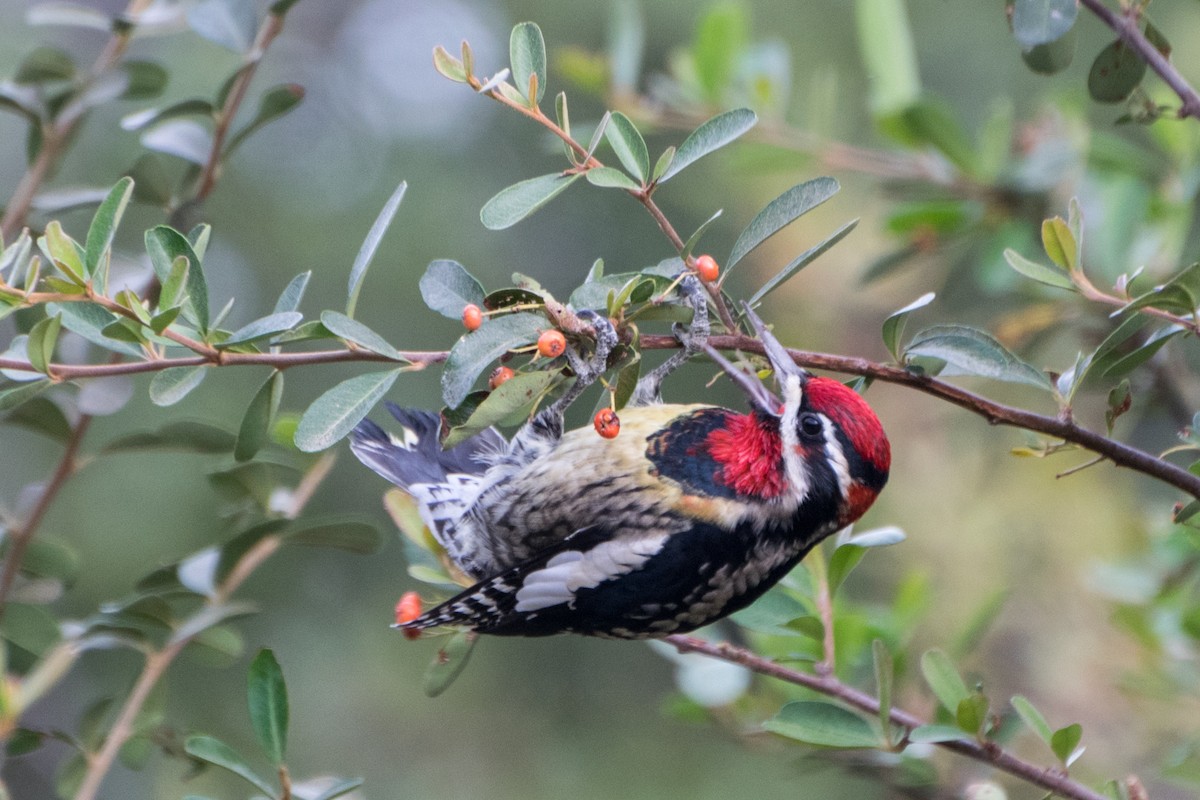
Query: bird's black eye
[810, 425]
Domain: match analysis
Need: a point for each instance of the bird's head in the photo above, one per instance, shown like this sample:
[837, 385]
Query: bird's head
[833, 451]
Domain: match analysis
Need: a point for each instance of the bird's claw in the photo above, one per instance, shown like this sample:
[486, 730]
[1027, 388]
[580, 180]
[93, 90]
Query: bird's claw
[692, 338]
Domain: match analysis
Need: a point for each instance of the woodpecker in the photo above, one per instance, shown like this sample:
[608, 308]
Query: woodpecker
[687, 516]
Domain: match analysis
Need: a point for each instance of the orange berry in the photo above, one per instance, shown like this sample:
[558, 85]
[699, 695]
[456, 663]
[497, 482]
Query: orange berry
[499, 375]
[552, 343]
[707, 269]
[607, 423]
[407, 610]
[472, 317]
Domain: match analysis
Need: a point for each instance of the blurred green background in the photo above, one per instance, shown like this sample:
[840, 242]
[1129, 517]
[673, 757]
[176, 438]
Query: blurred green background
[568, 717]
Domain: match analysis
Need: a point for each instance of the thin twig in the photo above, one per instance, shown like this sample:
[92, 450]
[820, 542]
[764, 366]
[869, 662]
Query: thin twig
[57, 134]
[1051, 779]
[1126, 27]
[19, 539]
[271, 26]
[157, 662]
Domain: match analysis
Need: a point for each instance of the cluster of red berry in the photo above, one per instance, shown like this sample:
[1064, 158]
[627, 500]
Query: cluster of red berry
[552, 344]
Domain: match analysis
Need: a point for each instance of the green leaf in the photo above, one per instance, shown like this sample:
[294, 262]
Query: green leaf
[339, 788]
[943, 678]
[293, 293]
[366, 252]
[68, 14]
[217, 753]
[449, 663]
[42, 416]
[266, 694]
[354, 331]
[1036, 271]
[447, 288]
[514, 203]
[64, 252]
[514, 397]
[275, 103]
[264, 328]
[893, 326]
[886, 45]
[164, 245]
[474, 352]
[335, 413]
[611, 178]
[1122, 366]
[932, 734]
[1032, 717]
[662, 164]
[971, 714]
[1180, 294]
[932, 123]
[449, 66]
[1036, 22]
[173, 384]
[350, 535]
[721, 37]
[1065, 742]
[709, 137]
[182, 435]
[43, 65]
[969, 351]
[771, 613]
[843, 561]
[42, 339]
[690, 245]
[884, 675]
[627, 142]
[1060, 243]
[1115, 73]
[527, 53]
[104, 226]
[824, 724]
[255, 430]
[802, 261]
[229, 23]
[146, 80]
[779, 213]
[1052, 57]
[182, 138]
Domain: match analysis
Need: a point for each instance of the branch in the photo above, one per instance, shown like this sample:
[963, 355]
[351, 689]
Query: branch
[1121, 454]
[1127, 29]
[271, 26]
[1051, 779]
[158, 661]
[20, 538]
[56, 134]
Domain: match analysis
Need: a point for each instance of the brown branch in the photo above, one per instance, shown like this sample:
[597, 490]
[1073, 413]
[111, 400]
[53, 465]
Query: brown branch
[271, 26]
[1121, 454]
[157, 662]
[1051, 779]
[56, 134]
[1127, 29]
[19, 539]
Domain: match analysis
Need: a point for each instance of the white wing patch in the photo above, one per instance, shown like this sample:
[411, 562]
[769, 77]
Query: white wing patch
[568, 572]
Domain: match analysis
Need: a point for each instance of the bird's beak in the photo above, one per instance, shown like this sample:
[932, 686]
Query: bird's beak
[781, 363]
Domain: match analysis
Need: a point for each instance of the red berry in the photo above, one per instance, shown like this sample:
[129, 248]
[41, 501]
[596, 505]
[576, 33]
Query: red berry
[407, 610]
[552, 343]
[707, 269]
[499, 375]
[607, 423]
[472, 317]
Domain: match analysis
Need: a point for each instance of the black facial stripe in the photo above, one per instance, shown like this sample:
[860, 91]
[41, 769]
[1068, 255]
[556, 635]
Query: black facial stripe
[860, 469]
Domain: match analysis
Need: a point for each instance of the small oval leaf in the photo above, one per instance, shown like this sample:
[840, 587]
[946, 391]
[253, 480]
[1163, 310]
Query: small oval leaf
[335, 413]
[514, 203]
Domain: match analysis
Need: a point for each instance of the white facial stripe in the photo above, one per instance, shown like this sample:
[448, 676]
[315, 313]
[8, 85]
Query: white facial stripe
[568, 572]
[797, 475]
[837, 458]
